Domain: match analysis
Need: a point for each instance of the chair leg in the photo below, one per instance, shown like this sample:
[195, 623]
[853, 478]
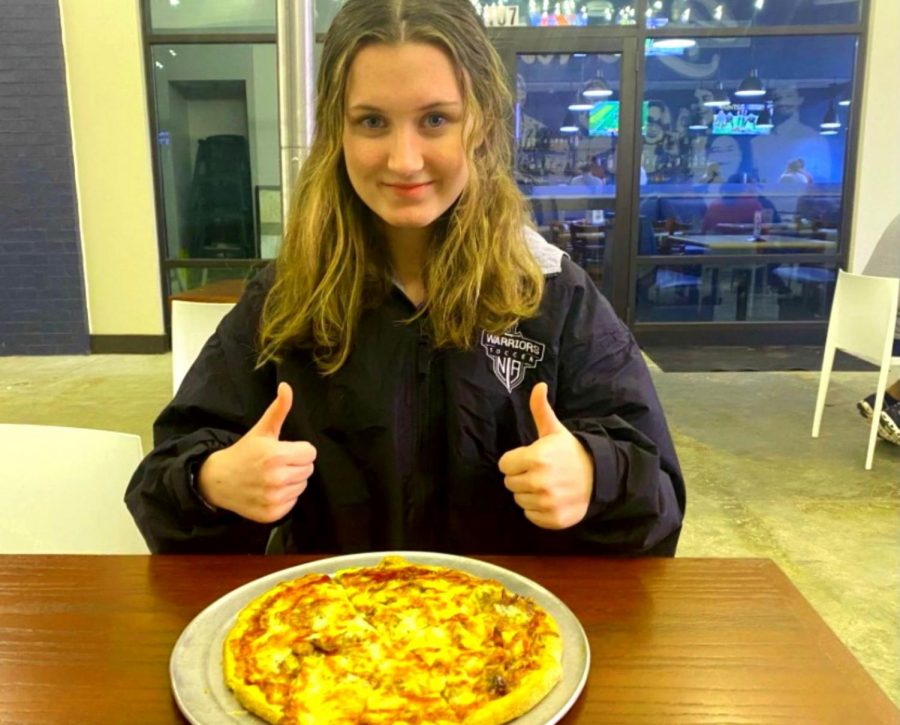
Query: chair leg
[876, 415]
[824, 377]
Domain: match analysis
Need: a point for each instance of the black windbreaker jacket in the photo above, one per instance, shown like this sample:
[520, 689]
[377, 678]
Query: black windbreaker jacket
[408, 437]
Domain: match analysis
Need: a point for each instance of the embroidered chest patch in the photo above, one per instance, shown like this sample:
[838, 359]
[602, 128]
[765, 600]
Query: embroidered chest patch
[512, 355]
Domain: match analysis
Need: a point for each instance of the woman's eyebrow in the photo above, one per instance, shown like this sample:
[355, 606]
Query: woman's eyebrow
[427, 107]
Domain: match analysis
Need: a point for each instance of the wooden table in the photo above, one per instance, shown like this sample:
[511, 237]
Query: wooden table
[87, 639]
[224, 290]
[743, 244]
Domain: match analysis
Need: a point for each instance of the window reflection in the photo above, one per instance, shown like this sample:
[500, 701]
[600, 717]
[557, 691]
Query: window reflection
[746, 137]
[567, 122]
[217, 146]
[567, 118]
[739, 292]
[190, 16]
[745, 13]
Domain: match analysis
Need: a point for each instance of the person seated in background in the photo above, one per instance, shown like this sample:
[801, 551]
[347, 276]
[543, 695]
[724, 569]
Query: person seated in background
[889, 420]
[794, 174]
[731, 208]
[712, 174]
[593, 174]
[419, 369]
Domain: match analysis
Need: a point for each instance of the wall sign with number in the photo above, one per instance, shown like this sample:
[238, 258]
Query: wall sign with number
[502, 16]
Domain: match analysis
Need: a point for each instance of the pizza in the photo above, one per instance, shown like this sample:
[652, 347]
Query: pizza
[398, 642]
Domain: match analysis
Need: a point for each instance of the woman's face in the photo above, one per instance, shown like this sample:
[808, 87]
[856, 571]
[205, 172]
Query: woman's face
[403, 133]
[725, 152]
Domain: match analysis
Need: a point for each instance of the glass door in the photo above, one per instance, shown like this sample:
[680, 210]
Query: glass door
[574, 142]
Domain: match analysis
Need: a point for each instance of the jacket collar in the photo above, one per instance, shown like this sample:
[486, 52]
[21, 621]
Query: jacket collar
[548, 257]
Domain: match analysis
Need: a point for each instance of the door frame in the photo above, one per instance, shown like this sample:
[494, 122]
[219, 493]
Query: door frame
[618, 256]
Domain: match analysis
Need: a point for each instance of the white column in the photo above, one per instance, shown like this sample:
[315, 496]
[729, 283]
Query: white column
[296, 89]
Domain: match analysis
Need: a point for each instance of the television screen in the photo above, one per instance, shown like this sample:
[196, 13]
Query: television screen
[738, 120]
[603, 118]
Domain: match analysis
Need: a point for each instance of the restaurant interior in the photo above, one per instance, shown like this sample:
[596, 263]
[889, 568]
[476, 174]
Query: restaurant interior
[712, 165]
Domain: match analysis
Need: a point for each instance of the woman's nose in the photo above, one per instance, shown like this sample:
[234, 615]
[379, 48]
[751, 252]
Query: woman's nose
[405, 155]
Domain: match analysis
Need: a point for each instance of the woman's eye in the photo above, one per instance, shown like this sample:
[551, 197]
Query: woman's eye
[370, 122]
[435, 120]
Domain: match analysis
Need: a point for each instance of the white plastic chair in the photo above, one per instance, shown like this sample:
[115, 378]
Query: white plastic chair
[62, 491]
[862, 324]
[192, 325]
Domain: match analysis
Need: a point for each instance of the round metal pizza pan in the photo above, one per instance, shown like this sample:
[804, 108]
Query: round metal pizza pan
[195, 666]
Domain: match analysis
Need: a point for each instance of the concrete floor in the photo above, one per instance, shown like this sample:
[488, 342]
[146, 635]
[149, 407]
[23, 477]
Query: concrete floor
[758, 484]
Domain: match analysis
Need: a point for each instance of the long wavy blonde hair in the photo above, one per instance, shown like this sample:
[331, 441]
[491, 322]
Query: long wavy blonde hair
[479, 272]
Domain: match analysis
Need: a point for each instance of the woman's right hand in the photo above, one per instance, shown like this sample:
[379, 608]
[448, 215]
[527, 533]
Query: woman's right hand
[259, 477]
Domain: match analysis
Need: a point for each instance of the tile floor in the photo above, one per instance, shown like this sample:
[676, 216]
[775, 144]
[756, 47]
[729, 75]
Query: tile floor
[758, 485]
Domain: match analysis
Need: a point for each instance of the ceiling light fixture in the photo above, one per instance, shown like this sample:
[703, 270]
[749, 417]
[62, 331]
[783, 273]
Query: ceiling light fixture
[719, 98]
[568, 124]
[597, 87]
[697, 123]
[674, 43]
[830, 120]
[751, 86]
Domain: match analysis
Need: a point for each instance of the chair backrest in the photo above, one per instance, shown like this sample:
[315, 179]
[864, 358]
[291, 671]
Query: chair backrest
[863, 314]
[192, 325]
[62, 491]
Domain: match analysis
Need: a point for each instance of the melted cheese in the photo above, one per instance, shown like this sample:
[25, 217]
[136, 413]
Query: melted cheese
[396, 643]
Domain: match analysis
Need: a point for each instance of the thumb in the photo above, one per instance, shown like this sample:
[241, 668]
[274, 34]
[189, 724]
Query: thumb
[271, 421]
[544, 418]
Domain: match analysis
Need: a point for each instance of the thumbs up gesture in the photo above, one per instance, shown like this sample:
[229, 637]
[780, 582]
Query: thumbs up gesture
[552, 479]
[260, 477]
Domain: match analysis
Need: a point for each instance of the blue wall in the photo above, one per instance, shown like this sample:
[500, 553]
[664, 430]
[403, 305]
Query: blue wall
[42, 297]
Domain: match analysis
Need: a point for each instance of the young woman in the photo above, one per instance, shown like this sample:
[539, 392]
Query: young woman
[419, 369]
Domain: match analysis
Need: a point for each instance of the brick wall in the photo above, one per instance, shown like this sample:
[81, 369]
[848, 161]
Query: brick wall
[42, 299]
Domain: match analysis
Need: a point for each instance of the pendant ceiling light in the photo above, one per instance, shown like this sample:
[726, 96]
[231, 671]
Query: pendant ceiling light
[580, 105]
[719, 98]
[674, 43]
[568, 124]
[846, 93]
[697, 123]
[751, 86]
[830, 121]
[597, 88]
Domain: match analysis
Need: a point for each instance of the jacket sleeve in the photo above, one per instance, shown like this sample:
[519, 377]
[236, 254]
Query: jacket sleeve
[220, 398]
[606, 398]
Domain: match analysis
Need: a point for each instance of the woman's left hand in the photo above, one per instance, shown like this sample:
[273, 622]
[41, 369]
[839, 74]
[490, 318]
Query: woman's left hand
[552, 479]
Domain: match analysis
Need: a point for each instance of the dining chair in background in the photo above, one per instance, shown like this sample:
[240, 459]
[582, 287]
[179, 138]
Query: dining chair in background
[192, 325]
[863, 315]
[62, 490]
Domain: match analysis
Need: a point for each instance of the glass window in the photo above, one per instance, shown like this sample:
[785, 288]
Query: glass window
[746, 13]
[325, 10]
[221, 16]
[746, 132]
[566, 136]
[745, 291]
[217, 147]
